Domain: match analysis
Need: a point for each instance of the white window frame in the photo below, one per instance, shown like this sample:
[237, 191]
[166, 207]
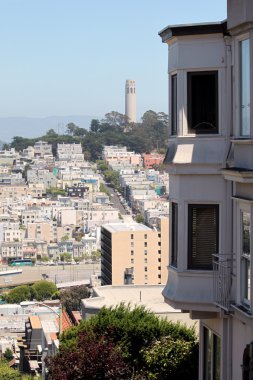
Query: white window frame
[237, 87]
[247, 302]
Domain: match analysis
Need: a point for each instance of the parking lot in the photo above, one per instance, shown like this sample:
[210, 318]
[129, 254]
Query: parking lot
[57, 274]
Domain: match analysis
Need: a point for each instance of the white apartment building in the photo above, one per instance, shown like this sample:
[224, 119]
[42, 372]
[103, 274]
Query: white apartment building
[42, 149]
[119, 156]
[210, 164]
[70, 152]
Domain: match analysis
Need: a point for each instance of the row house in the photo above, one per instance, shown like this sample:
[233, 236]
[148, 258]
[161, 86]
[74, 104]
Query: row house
[11, 251]
[210, 164]
[42, 176]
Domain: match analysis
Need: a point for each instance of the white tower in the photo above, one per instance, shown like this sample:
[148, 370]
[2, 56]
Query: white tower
[130, 101]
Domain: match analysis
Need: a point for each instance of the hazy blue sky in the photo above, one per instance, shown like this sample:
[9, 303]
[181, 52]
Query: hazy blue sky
[66, 57]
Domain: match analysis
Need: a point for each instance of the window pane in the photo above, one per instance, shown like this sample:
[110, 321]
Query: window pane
[212, 356]
[174, 105]
[245, 259]
[217, 358]
[202, 102]
[203, 237]
[245, 88]
[174, 234]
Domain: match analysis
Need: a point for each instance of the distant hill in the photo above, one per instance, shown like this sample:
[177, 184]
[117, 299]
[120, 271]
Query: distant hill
[34, 127]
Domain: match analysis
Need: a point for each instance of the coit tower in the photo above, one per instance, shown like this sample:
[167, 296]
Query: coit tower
[130, 101]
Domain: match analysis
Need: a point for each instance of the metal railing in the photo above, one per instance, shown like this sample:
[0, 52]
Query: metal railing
[222, 280]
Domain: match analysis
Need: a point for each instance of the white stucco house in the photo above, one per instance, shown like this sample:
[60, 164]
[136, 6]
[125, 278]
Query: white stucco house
[210, 164]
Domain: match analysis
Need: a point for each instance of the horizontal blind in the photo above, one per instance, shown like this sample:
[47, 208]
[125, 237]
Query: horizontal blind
[202, 235]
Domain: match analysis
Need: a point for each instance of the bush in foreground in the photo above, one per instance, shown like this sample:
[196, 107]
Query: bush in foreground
[145, 346]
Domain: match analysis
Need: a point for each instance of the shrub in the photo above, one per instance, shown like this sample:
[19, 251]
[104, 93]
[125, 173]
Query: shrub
[19, 294]
[43, 290]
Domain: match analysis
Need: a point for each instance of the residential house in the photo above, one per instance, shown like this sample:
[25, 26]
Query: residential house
[210, 164]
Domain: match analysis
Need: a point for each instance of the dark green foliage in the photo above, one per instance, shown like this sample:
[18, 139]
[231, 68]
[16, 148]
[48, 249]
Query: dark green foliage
[112, 177]
[71, 297]
[104, 189]
[114, 129]
[8, 354]
[43, 290]
[18, 294]
[143, 339]
[139, 218]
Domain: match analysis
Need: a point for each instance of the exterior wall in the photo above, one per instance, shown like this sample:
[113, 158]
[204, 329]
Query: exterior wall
[152, 159]
[144, 252]
[40, 231]
[215, 169]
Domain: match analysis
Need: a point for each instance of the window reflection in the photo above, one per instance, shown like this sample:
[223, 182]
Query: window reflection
[245, 87]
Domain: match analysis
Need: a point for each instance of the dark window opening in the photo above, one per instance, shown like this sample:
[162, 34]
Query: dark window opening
[174, 104]
[202, 102]
[174, 234]
[203, 235]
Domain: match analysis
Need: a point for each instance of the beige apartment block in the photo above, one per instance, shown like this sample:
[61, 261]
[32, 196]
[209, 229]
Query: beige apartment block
[42, 231]
[13, 192]
[134, 253]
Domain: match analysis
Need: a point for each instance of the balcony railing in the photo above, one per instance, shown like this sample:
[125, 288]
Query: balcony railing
[222, 280]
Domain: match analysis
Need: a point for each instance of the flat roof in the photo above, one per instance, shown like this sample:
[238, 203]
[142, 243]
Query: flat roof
[35, 322]
[149, 296]
[126, 227]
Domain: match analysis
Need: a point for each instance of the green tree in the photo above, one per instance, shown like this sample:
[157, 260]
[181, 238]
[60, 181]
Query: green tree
[115, 118]
[71, 297]
[104, 189]
[19, 294]
[8, 354]
[139, 218]
[65, 256]
[172, 359]
[7, 373]
[65, 238]
[94, 125]
[95, 255]
[43, 290]
[136, 332]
